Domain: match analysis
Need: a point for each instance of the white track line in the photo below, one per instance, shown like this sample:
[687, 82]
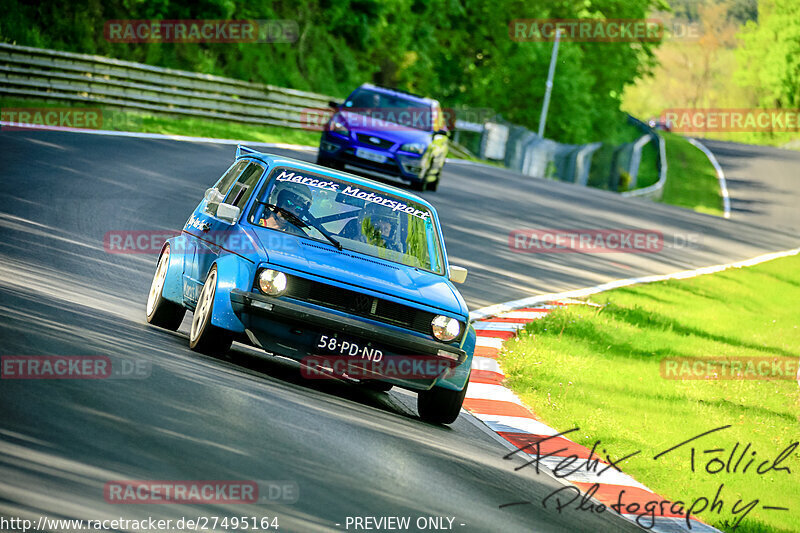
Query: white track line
[524, 315]
[531, 301]
[514, 424]
[723, 187]
[161, 136]
[486, 391]
[498, 326]
[485, 363]
[489, 342]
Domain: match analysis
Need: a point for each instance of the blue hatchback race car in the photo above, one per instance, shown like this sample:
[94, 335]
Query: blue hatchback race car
[348, 276]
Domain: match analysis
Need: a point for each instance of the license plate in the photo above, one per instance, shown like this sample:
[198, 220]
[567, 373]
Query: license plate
[370, 156]
[329, 344]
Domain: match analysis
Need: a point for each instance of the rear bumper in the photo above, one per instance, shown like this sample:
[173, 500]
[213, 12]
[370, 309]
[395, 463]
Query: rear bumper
[292, 329]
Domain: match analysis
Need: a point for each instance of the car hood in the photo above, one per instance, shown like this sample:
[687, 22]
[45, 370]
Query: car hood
[396, 133]
[353, 268]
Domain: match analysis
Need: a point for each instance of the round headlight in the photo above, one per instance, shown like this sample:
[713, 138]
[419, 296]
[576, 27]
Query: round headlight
[272, 282]
[445, 328]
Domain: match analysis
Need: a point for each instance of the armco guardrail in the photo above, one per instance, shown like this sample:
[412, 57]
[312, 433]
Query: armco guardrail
[50, 74]
[66, 76]
[654, 191]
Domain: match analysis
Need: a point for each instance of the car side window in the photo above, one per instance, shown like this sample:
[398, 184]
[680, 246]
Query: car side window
[216, 194]
[241, 191]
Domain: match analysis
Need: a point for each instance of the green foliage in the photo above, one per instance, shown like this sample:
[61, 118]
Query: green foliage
[770, 55]
[458, 51]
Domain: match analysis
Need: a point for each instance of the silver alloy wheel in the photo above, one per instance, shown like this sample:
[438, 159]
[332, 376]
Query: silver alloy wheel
[204, 304]
[158, 282]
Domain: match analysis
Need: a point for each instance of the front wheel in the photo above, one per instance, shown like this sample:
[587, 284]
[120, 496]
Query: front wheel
[160, 311]
[205, 337]
[440, 406]
[418, 186]
[330, 163]
[433, 185]
[378, 386]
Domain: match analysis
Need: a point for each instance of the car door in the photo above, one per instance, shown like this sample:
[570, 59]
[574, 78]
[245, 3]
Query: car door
[198, 227]
[214, 234]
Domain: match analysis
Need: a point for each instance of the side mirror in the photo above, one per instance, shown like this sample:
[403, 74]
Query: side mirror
[333, 104]
[458, 274]
[213, 196]
[227, 213]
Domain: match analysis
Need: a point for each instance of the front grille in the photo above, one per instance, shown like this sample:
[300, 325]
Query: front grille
[359, 304]
[368, 140]
[348, 157]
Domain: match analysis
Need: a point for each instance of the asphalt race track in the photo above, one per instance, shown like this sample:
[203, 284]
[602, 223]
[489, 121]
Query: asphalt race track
[351, 452]
[762, 182]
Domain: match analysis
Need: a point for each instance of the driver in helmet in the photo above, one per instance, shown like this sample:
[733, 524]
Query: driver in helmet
[380, 227]
[294, 198]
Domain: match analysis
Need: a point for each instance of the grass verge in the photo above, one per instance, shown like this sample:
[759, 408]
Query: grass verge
[648, 166]
[115, 120]
[691, 179]
[599, 369]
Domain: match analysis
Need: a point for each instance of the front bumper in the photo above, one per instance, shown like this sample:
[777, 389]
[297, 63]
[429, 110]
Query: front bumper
[343, 150]
[292, 330]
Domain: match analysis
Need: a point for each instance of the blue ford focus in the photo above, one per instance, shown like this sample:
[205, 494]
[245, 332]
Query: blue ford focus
[345, 275]
[389, 133]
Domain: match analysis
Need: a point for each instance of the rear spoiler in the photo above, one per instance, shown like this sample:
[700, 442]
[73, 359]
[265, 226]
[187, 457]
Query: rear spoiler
[244, 150]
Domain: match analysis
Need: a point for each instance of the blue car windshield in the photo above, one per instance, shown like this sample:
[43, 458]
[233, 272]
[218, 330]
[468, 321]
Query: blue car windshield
[359, 218]
[391, 108]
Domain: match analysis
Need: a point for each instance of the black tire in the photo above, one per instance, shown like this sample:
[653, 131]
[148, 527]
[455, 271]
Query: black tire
[418, 186]
[330, 163]
[433, 185]
[160, 311]
[440, 406]
[380, 386]
[204, 337]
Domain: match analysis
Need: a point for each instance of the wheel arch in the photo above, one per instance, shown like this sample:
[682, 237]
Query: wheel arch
[173, 282]
[233, 272]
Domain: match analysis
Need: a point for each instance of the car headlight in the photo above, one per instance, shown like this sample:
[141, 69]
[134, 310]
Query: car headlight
[414, 148]
[337, 125]
[271, 282]
[445, 328]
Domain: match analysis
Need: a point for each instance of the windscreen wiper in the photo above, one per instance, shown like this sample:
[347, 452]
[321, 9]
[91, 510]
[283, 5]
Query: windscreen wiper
[300, 223]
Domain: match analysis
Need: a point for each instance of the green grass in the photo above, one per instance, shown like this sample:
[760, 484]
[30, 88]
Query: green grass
[691, 179]
[648, 166]
[599, 369]
[116, 120]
